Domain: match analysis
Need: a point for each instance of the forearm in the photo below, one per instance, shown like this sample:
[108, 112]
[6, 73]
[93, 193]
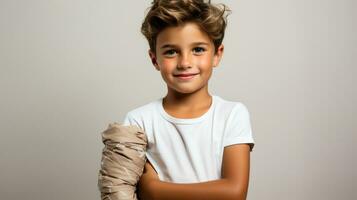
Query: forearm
[220, 189]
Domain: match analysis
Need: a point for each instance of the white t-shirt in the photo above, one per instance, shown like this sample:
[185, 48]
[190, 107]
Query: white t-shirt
[191, 150]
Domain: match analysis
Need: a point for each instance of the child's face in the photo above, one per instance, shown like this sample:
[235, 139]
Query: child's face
[178, 51]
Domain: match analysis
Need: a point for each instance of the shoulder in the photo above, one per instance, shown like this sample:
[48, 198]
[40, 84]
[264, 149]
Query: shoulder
[143, 109]
[138, 114]
[233, 116]
[240, 108]
[232, 107]
[239, 113]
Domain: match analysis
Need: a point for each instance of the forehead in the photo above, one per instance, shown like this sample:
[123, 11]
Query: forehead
[185, 34]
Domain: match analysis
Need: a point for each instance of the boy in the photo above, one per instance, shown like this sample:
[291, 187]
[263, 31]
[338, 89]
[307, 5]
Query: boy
[198, 144]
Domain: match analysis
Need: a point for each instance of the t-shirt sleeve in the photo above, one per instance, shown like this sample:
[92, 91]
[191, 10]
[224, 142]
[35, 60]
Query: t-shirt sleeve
[127, 119]
[130, 120]
[238, 129]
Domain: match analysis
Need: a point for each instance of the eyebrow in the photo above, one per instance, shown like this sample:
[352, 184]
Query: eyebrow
[192, 44]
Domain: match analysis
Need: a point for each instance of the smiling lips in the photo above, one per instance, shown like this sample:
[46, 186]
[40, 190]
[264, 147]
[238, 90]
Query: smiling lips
[185, 76]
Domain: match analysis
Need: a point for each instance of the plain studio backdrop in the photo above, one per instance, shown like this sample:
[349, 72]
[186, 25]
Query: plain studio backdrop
[69, 68]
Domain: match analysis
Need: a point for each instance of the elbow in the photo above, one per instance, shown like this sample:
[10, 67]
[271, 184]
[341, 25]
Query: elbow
[239, 194]
[238, 191]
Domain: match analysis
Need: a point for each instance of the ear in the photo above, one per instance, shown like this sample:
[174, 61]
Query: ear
[153, 59]
[218, 55]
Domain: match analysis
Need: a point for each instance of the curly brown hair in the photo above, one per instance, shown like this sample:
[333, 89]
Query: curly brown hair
[212, 19]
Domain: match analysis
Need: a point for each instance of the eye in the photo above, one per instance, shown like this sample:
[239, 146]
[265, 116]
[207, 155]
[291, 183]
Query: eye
[199, 49]
[169, 52]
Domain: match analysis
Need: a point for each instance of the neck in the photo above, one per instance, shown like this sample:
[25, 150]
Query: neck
[197, 100]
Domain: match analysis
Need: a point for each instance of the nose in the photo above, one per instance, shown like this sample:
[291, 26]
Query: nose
[184, 61]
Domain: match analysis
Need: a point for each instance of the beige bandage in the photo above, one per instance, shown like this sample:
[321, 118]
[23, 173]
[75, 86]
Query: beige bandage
[123, 161]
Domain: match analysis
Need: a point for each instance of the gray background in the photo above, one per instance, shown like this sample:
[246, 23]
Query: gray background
[68, 68]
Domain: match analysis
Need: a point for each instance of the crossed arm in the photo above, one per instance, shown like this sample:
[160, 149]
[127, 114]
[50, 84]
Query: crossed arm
[232, 186]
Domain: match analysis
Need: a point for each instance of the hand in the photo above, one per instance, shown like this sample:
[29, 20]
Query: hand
[146, 183]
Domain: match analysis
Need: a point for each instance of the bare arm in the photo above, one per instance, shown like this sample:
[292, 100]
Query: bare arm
[232, 186]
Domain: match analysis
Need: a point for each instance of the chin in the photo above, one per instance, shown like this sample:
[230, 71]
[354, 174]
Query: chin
[186, 90]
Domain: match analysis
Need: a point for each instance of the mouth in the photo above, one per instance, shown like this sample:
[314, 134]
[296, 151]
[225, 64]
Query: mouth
[185, 76]
[188, 74]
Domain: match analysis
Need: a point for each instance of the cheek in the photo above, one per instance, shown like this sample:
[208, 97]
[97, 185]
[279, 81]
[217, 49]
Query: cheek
[168, 64]
[205, 62]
